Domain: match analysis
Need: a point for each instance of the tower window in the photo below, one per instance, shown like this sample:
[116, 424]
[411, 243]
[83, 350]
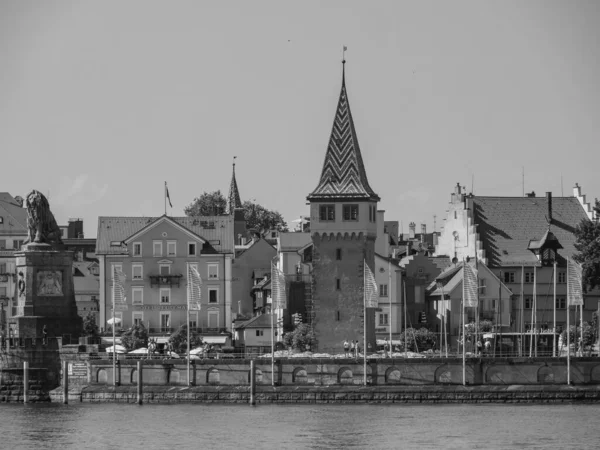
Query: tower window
[327, 213]
[338, 254]
[351, 212]
[338, 284]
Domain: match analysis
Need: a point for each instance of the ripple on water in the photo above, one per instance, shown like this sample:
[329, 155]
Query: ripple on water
[92, 426]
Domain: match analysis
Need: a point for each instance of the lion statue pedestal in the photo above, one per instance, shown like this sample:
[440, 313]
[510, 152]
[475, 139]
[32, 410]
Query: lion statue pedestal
[45, 291]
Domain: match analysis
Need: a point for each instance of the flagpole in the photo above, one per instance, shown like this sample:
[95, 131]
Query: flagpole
[364, 325]
[188, 326]
[165, 195]
[532, 315]
[405, 342]
[464, 338]
[522, 313]
[113, 329]
[273, 297]
[568, 336]
[554, 310]
[272, 341]
[390, 298]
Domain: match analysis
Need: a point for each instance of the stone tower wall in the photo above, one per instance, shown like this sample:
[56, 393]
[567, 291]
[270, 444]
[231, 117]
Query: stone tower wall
[338, 313]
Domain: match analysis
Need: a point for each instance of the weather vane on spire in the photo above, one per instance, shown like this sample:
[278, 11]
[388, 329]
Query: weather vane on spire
[344, 55]
[234, 160]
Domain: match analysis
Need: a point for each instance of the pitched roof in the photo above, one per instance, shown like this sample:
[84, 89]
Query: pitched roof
[233, 200]
[343, 175]
[262, 321]
[210, 228]
[506, 225]
[14, 216]
[290, 242]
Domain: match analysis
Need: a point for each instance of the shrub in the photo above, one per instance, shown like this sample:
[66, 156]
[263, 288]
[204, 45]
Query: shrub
[178, 339]
[135, 337]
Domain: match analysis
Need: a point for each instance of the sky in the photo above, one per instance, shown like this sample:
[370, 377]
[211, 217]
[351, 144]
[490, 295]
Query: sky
[101, 102]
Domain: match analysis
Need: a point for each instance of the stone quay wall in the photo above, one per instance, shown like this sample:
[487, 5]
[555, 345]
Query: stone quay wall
[334, 372]
[337, 394]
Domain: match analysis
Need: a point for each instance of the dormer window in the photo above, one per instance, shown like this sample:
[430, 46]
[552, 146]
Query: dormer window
[327, 213]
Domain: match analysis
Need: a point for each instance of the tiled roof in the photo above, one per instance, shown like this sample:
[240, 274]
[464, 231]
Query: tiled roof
[506, 225]
[14, 216]
[289, 242]
[343, 175]
[117, 229]
[262, 321]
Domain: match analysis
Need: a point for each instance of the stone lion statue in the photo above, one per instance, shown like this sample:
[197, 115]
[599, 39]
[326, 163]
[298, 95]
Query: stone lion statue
[41, 225]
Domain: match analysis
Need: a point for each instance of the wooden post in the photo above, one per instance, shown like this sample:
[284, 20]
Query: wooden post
[65, 382]
[252, 383]
[25, 380]
[140, 378]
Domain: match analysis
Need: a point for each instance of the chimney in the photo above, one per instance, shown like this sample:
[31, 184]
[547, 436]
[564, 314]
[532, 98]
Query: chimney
[549, 202]
[411, 230]
[577, 190]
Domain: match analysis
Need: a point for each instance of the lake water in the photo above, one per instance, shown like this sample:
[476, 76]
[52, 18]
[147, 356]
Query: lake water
[125, 426]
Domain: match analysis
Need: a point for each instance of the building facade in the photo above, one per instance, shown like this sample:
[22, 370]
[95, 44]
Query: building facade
[525, 242]
[154, 254]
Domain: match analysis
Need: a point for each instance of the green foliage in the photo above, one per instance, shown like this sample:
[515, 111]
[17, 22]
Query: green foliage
[302, 338]
[208, 204]
[261, 219]
[179, 340]
[589, 334]
[587, 243]
[418, 340]
[135, 337]
[89, 325]
[485, 326]
[257, 216]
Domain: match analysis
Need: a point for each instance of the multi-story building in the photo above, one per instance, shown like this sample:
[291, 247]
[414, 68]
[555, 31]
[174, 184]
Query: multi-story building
[13, 231]
[525, 242]
[343, 227]
[155, 253]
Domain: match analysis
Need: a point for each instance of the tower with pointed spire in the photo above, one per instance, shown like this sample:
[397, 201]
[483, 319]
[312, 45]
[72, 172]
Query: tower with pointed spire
[233, 200]
[235, 208]
[343, 215]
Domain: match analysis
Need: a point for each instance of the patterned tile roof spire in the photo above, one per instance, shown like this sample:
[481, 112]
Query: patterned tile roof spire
[233, 200]
[343, 175]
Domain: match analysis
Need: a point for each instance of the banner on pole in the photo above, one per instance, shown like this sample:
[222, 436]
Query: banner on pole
[574, 283]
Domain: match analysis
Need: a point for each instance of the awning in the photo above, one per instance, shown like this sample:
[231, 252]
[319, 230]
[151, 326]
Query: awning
[161, 340]
[214, 339]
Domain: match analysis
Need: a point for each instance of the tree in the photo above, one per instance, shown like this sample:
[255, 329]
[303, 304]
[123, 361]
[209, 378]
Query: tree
[257, 216]
[135, 337]
[588, 334]
[179, 339]
[261, 219]
[418, 340]
[90, 329]
[302, 338]
[208, 204]
[587, 243]
[485, 326]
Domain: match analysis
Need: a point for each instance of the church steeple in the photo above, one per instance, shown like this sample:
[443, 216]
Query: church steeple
[343, 175]
[233, 200]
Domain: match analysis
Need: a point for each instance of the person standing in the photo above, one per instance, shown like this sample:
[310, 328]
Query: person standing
[346, 348]
[386, 347]
[352, 349]
[44, 335]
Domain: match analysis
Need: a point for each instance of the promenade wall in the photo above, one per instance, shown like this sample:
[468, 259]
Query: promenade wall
[84, 371]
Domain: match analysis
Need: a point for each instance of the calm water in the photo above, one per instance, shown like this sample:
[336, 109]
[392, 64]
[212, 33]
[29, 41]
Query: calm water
[123, 426]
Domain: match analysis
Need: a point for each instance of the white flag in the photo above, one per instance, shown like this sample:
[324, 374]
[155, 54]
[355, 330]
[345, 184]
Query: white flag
[574, 283]
[194, 289]
[370, 289]
[469, 286]
[278, 293]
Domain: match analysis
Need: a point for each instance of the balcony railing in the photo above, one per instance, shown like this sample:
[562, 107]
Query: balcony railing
[165, 280]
